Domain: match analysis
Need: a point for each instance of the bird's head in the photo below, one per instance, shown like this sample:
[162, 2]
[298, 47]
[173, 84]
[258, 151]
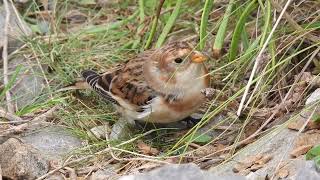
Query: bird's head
[176, 66]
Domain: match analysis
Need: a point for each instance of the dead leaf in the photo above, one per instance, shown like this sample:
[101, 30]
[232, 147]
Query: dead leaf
[252, 163]
[244, 172]
[146, 149]
[296, 124]
[300, 151]
[311, 137]
[255, 167]
[304, 115]
[264, 160]
[246, 163]
[313, 125]
[208, 149]
[283, 173]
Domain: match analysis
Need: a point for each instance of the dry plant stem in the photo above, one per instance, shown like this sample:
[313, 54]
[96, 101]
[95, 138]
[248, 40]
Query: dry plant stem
[0, 173]
[66, 163]
[45, 115]
[20, 128]
[291, 145]
[294, 24]
[259, 57]
[10, 117]
[10, 107]
[18, 17]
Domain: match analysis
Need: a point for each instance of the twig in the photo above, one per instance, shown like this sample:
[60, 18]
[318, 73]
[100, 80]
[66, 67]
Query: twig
[259, 57]
[0, 173]
[9, 116]
[19, 19]
[143, 158]
[294, 24]
[66, 163]
[10, 107]
[20, 128]
[45, 115]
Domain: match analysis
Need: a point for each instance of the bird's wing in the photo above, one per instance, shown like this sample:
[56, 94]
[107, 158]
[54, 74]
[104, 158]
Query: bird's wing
[130, 85]
[125, 86]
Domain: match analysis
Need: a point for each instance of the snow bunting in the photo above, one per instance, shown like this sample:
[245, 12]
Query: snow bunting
[158, 86]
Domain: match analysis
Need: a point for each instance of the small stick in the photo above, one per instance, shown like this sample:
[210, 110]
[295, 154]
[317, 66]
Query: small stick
[45, 115]
[0, 173]
[9, 116]
[10, 107]
[20, 128]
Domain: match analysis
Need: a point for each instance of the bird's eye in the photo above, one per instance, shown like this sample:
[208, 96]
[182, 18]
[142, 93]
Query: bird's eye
[178, 60]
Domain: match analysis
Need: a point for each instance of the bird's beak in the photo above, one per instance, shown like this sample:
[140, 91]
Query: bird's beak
[198, 57]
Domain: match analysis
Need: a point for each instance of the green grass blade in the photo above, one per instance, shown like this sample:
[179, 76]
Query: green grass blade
[12, 80]
[267, 23]
[204, 22]
[221, 34]
[169, 24]
[238, 29]
[107, 27]
[141, 25]
[154, 25]
[141, 10]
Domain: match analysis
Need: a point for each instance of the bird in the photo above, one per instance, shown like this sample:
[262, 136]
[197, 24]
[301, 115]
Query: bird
[161, 85]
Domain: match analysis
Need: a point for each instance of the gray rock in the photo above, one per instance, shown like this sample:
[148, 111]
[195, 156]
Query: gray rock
[56, 176]
[103, 173]
[54, 142]
[29, 82]
[121, 129]
[16, 30]
[179, 172]
[314, 97]
[100, 131]
[307, 171]
[21, 161]
[276, 144]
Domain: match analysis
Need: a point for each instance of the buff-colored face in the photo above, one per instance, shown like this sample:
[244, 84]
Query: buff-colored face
[176, 68]
[178, 63]
[177, 57]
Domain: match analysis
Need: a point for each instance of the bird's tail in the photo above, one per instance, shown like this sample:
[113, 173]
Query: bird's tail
[99, 83]
[90, 77]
